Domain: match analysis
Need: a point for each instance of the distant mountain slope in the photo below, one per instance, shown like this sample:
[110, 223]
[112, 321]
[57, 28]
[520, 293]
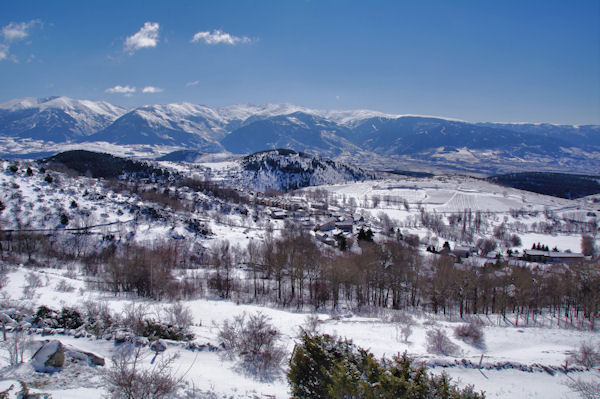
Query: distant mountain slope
[286, 170]
[181, 156]
[55, 119]
[576, 136]
[298, 131]
[561, 185]
[182, 124]
[410, 135]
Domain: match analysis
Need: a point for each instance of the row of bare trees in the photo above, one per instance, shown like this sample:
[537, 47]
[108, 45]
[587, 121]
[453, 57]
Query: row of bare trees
[293, 270]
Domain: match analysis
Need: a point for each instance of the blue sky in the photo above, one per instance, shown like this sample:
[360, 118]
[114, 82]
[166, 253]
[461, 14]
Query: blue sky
[474, 60]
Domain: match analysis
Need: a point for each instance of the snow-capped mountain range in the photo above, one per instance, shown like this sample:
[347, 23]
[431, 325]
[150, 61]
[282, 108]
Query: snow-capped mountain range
[365, 134]
[56, 119]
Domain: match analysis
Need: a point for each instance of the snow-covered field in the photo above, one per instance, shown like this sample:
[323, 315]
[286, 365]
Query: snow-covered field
[213, 371]
[448, 195]
[451, 194]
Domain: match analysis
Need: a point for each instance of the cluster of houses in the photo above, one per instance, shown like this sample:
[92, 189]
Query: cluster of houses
[333, 230]
[528, 255]
[330, 225]
[551, 257]
[335, 227]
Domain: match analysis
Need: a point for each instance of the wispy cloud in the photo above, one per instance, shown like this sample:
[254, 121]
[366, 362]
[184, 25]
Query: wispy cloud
[18, 30]
[147, 36]
[118, 89]
[219, 37]
[194, 83]
[3, 51]
[151, 89]
[13, 32]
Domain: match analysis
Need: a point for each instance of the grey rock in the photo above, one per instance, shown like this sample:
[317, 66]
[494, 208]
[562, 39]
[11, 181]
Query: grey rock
[49, 358]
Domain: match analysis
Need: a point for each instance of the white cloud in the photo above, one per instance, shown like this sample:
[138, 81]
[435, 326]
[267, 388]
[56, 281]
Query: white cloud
[194, 83]
[18, 30]
[12, 32]
[147, 36]
[3, 51]
[151, 89]
[118, 89]
[219, 37]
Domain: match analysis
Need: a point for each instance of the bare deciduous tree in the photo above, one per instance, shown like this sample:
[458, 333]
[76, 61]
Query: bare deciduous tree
[15, 346]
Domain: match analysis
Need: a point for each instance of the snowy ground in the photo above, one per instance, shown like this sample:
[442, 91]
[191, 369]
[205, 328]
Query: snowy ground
[212, 371]
[447, 195]
[38, 204]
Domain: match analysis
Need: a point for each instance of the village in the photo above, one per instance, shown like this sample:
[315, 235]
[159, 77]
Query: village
[336, 227]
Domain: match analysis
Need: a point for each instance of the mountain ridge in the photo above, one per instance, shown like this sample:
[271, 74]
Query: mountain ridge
[350, 134]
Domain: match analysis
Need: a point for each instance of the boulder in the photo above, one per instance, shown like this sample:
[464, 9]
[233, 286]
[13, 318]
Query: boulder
[82, 356]
[6, 319]
[158, 346]
[49, 358]
[94, 359]
[122, 336]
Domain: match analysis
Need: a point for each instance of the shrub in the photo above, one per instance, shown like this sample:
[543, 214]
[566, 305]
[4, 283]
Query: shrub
[515, 240]
[311, 324]
[45, 317]
[153, 329]
[588, 245]
[365, 235]
[486, 245]
[100, 318]
[70, 318]
[134, 316]
[179, 316]
[439, 343]
[587, 355]
[254, 341]
[322, 366]
[585, 389]
[127, 380]
[404, 324]
[64, 286]
[499, 231]
[33, 280]
[470, 333]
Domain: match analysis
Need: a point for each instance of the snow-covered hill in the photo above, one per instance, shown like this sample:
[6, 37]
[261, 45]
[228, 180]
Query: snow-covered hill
[285, 170]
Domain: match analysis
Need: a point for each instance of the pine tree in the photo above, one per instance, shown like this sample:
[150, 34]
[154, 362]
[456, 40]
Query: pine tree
[325, 367]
